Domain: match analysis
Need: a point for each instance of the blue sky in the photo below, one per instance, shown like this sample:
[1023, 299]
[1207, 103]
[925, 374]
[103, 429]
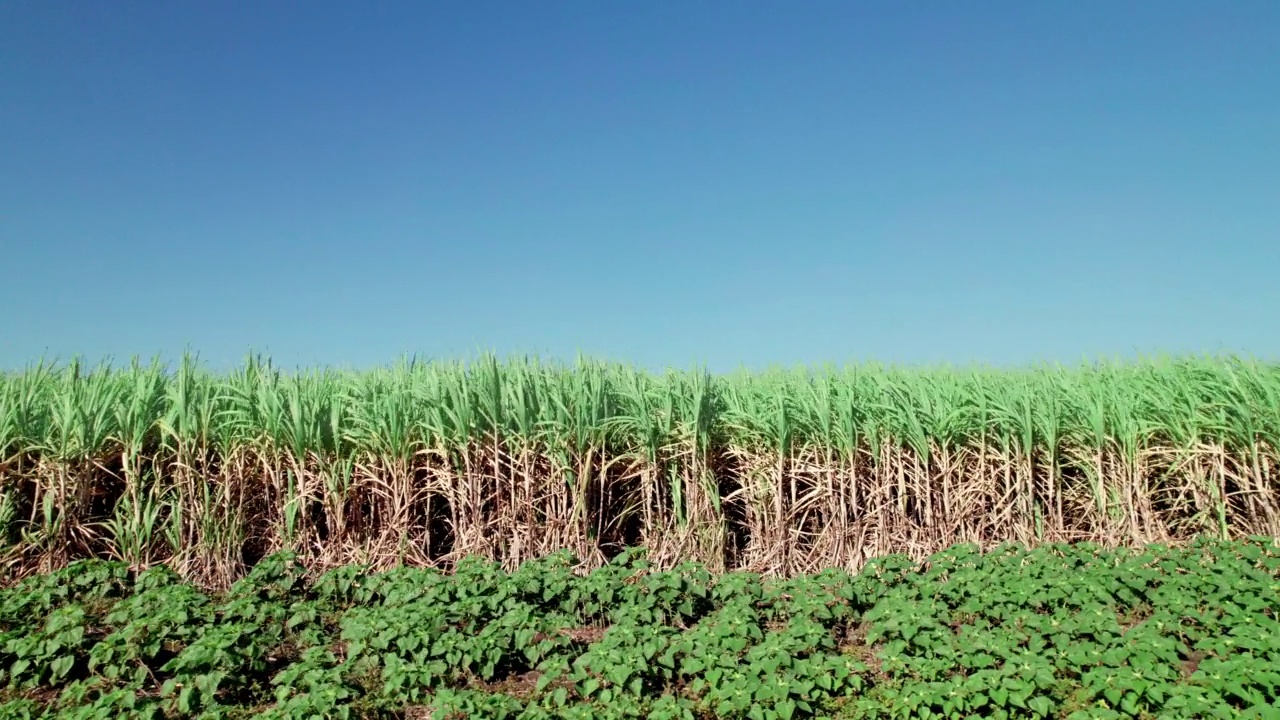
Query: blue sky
[732, 184]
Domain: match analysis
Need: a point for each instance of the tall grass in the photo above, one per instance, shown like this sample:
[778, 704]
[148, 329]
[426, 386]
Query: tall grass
[779, 472]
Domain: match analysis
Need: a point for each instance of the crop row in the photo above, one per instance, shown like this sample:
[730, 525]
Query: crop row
[1060, 631]
[778, 472]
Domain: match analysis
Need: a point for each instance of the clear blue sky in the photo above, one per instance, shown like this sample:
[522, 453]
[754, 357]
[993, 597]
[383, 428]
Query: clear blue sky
[731, 183]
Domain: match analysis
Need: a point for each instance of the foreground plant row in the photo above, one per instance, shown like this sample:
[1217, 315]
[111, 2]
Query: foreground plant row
[1059, 631]
[781, 473]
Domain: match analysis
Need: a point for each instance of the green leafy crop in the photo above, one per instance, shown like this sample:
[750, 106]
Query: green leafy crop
[1059, 631]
